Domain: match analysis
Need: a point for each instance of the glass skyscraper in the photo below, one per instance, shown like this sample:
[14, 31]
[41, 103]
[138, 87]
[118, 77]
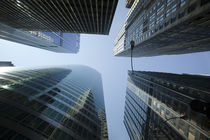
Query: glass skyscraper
[164, 27]
[75, 16]
[52, 103]
[159, 106]
[54, 25]
[51, 41]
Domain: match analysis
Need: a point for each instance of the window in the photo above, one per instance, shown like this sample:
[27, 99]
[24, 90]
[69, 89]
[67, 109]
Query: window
[12, 112]
[175, 105]
[21, 116]
[63, 135]
[167, 114]
[35, 123]
[173, 19]
[48, 131]
[59, 118]
[8, 135]
[36, 106]
[181, 126]
[181, 14]
[43, 126]
[166, 23]
[204, 2]
[182, 3]
[68, 123]
[53, 114]
[191, 133]
[191, 8]
[28, 120]
[47, 111]
[193, 118]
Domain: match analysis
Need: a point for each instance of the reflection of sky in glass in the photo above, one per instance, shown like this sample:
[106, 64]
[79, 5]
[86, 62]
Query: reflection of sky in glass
[70, 41]
[88, 78]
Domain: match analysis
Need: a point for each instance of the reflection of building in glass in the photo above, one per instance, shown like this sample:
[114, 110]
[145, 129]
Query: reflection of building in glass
[70, 42]
[52, 103]
[75, 16]
[56, 42]
[153, 99]
[160, 27]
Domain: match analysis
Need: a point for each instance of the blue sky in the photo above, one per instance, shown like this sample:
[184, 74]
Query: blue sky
[96, 52]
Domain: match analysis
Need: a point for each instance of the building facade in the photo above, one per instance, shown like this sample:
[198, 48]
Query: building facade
[52, 103]
[158, 106]
[129, 3]
[75, 16]
[51, 41]
[69, 42]
[6, 64]
[164, 27]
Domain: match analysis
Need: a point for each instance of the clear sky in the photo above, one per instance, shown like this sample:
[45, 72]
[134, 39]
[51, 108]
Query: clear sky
[96, 52]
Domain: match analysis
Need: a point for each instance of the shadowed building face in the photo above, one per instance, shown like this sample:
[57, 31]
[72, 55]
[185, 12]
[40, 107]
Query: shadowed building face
[77, 16]
[156, 103]
[52, 103]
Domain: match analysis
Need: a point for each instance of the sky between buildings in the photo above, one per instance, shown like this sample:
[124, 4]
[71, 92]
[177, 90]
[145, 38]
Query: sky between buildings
[96, 52]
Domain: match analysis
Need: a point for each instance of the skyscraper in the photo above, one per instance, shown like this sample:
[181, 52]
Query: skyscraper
[159, 106]
[56, 42]
[75, 16]
[164, 27]
[52, 103]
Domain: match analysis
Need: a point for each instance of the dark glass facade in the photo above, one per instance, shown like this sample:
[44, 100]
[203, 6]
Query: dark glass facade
[52, 103]
[75, 16]
[156, 101]
[6, 64]
[129, 3]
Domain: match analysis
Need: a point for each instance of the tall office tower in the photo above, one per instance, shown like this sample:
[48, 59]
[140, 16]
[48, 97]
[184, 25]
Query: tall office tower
[162, 106]
[75, 16]
[56, 42]
[164, 27]
[52, 103]
[6, 64]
